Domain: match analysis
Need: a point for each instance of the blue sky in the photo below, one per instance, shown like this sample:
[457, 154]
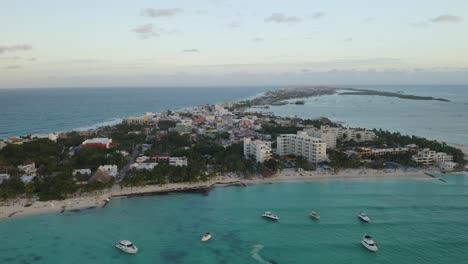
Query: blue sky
[59, 43]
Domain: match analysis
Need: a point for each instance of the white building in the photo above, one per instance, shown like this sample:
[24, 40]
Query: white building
[430, 157]
[345, 134]
[323, 133]
[82, 172]
[4, 176]
[144, 166]
[447, 166]
[29, 169]
[261, 150]
[178, 161]
[311, 148]
[112, 170]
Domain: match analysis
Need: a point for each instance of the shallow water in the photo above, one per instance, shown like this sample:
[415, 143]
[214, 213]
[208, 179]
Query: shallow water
[413, 221]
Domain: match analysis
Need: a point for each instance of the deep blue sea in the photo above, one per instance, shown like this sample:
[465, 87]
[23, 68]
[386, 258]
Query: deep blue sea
[32, 111]
[413, 222]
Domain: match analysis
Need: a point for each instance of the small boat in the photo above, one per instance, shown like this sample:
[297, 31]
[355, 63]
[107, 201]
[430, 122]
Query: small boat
[314, 215]
[369, 243]
[206, 237]
[364, 217]
[270, 215]
[127, 247]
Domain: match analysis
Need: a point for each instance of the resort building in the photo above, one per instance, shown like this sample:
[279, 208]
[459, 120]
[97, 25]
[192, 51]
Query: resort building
[324, 133]
[112, 170]
[29, 169]
[178, 161]
[259, 149]
[103, 143]
[345, 134]
[430, 157]
[301, 144]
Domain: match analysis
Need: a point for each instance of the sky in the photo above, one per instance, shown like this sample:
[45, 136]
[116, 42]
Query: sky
[94, 43]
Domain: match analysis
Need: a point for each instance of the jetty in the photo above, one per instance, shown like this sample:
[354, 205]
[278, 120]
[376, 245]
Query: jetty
[433, 176]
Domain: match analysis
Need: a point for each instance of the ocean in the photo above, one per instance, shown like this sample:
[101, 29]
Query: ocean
[33, 111]
[412, 221]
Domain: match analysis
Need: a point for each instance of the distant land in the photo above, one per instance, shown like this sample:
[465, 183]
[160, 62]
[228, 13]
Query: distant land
[278, 97]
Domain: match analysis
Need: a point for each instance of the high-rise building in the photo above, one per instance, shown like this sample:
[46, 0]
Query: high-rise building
[300, 144]
[260, 149]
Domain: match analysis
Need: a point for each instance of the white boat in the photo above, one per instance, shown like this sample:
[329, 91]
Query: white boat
[315, 215]
[270, 215]
[206, 237]
[369, 243]
[127, 247]
[364, 217]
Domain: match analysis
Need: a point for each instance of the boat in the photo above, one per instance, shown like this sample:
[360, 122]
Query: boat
[206, 237]
[127, 247]
[364, 217]
[270, 215]
[314, 215]
[369, 243]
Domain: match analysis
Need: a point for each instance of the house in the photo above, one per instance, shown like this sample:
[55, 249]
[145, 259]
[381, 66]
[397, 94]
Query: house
[4, 176]
[178, 161]
[100, 176]
[82, 172]
[29, 169]
[259, 149]
[144, 166]
[104, 143]
[112, 170]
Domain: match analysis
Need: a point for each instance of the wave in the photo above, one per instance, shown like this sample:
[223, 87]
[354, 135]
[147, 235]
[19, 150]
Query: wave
[111, 122]
[255, 255]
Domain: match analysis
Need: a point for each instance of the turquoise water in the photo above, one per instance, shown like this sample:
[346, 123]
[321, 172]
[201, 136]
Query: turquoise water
[413, 221]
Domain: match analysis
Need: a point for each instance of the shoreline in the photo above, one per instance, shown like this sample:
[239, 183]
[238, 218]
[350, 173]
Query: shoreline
[16, 208]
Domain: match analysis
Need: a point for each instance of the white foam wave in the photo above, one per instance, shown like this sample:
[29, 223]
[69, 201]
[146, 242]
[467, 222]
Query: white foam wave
[255, 254]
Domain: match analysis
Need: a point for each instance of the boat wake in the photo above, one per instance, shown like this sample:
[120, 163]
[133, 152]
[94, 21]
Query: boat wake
[255, 255]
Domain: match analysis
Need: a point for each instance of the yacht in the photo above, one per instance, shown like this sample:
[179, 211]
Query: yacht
[369, 243]
[314, 215]
[364, 217]
[270, 215]
[127, 247]
[206, 237]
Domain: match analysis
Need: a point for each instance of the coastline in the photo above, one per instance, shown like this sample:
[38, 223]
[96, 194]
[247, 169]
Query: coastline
[15, 208]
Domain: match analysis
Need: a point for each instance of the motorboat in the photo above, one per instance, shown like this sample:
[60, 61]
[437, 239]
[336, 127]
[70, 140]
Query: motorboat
[364, 217]
[270, 215]
[127, 247]
[369, 243]
[315, 215]
[206, 237]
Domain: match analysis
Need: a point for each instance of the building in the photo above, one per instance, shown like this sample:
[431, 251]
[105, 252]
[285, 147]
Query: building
[259, 149]
[112, 170]
[178, 161]
[100, 176]
[430, 157]
[447, 166]
[103, 143]
[82, 172]
[300, 144]
[378, 152]
[2, 144]
[29, 169]
[144, 166]
[182, 128]
[324, 133]
[344, 134]
[4, 176]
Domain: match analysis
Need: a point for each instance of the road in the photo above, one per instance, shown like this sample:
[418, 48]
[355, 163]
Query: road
[131, 159]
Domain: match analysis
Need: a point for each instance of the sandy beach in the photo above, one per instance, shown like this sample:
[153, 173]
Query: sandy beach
[15, 208]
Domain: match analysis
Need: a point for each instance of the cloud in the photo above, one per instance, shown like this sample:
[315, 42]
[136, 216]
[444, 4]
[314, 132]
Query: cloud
[368, 19]
[257, 39]
[446, 19]
[317, 15]
[190, 50]
[282, 18]
[146, 31]
[168, 12]
[348, 40]
[233, 25]
[12, 67]
[14, 48]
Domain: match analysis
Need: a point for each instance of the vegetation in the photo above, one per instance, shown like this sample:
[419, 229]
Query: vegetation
[355, 91]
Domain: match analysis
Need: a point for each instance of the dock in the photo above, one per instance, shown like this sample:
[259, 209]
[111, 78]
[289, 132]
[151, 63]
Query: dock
[433, 176]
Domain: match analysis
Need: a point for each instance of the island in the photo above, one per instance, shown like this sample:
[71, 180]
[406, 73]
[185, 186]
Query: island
[193, 150]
